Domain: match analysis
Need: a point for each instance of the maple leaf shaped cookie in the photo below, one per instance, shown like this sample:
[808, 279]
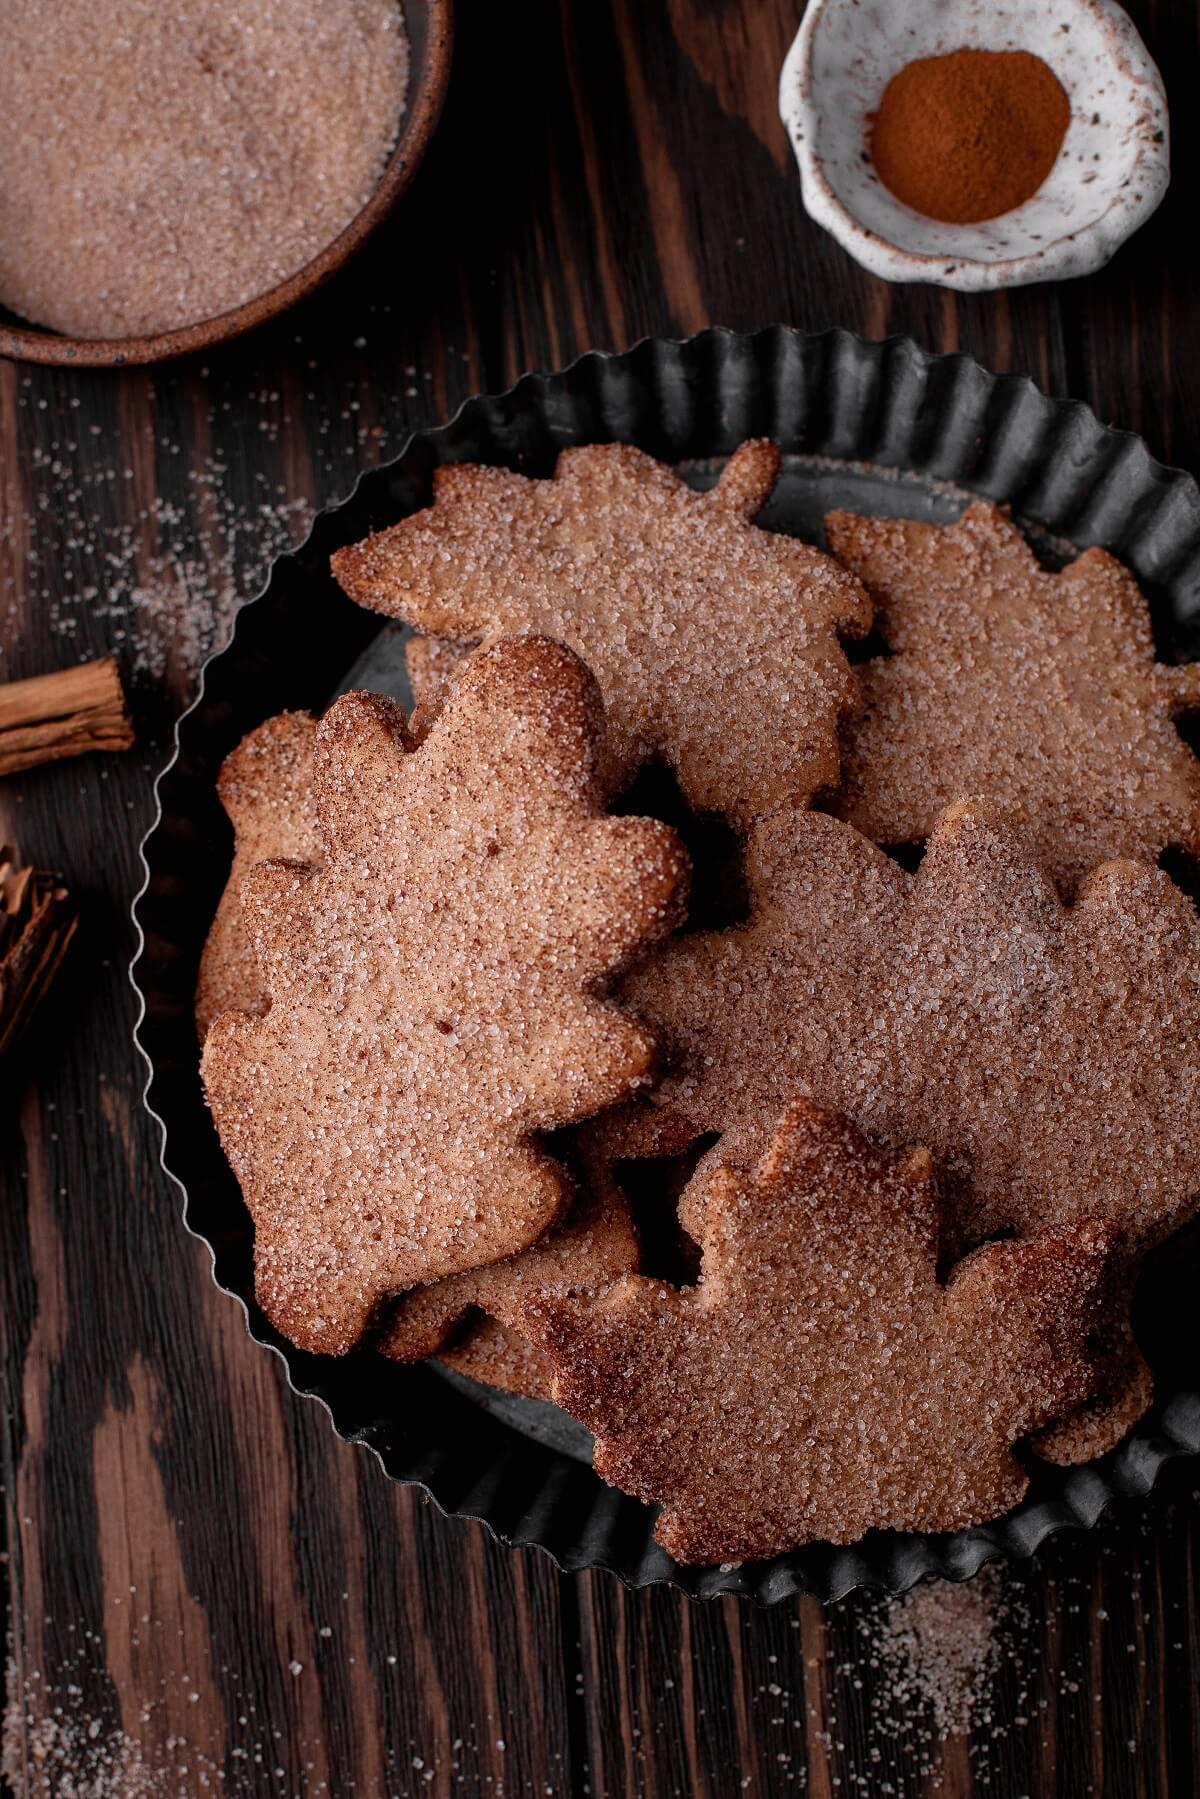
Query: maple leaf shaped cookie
[1038, 691]
[434, 990]
[821, 1380]
[715, 643]
[265, 787]
[593, 1245]
[1049, 1055]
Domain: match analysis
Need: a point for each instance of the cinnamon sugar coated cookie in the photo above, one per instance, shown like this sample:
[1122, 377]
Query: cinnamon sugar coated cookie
[715, 643]
[821, 1380]
[265, 787]
[466, 952]
[1049, 1055]
[592, 1245]
[1039, 691]
[431, 664]
[434, 991]
[497, 1356]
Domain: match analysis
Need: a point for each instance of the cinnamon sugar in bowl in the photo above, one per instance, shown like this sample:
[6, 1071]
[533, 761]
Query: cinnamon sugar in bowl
[173, 172]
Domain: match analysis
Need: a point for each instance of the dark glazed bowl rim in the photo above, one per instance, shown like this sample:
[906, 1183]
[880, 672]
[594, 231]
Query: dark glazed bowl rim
[832, 394]
[423, 106]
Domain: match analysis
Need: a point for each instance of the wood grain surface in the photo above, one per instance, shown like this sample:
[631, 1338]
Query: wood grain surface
[206, 1591]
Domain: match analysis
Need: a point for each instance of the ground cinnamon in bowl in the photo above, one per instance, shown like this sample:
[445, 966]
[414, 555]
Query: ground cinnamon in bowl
[970, 135]
[166, 161]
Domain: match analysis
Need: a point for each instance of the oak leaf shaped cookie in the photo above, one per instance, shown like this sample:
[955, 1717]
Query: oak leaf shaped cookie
[715, 643]
[265, 786]
[1049, 1055]
[1039, 691]
[821, 1380]
[435, 991]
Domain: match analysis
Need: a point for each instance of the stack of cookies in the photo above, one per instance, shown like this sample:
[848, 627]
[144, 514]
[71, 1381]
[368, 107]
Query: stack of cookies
[802, 1138]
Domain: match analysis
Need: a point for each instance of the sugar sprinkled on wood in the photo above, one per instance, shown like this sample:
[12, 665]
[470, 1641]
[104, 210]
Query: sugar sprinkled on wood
[939, 1648]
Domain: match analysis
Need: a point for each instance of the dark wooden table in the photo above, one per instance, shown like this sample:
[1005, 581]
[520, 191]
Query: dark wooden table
[206, 1590]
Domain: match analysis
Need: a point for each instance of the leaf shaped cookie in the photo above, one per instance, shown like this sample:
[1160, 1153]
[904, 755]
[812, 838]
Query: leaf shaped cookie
[715, 643]
[435, 991]
[821, 1380]
[265, 786]
[1049, 1055]
[1038, 691]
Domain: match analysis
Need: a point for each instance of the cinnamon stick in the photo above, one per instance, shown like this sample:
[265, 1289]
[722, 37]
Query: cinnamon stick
[37, 923]
[63, 714]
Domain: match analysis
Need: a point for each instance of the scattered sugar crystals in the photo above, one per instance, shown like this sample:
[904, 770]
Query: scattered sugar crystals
[147, 548]
[58, 1742]
[939, 1648]
[870, 1697]
[166, 608]
[53, 1747]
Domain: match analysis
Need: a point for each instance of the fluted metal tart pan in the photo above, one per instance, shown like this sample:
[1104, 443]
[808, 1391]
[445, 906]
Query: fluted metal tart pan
[878, 426]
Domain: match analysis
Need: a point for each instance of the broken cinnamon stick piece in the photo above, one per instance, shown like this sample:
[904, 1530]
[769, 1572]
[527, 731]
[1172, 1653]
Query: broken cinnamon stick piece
[63, 714]
[37, 923]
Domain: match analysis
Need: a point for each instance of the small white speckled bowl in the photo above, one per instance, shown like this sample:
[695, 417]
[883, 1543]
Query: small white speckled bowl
[1111, 172]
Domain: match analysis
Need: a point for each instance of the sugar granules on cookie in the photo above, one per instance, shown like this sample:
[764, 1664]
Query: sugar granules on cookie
[594, 1245]
[716, 644]
[472, 900]
[1043, 691]
[162, 164]
[821, 1379]
[1047, 1054]
[265, 786]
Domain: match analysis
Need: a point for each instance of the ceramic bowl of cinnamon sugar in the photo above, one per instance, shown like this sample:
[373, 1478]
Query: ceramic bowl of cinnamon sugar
[976, 143]
[172, 174]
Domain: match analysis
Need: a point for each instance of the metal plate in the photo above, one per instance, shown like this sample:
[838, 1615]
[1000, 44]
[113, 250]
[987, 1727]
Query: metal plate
[880, 427]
